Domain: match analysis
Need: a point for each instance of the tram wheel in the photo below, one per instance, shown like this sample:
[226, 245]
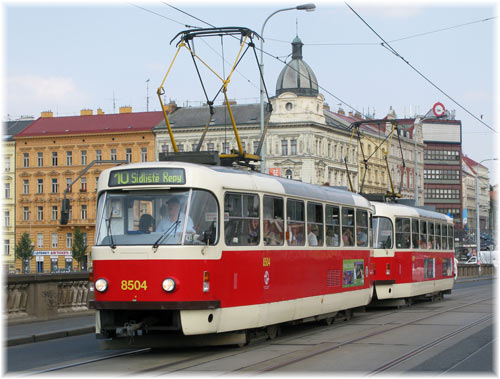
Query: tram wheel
[273, 331]
[347, 314]
[328, 321]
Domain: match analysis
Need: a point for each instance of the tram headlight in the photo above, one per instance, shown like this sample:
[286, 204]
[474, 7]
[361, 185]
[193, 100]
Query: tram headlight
[101, 285]
[168, 285]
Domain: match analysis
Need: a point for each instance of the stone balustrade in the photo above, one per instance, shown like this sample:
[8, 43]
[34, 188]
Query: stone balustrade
[46, 296]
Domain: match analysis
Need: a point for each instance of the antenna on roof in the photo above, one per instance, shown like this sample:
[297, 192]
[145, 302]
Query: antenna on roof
[147, 95]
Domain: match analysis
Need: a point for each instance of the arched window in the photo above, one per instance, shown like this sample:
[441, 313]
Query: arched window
[288, 174]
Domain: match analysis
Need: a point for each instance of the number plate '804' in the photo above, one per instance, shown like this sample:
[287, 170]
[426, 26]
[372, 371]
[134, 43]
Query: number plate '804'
[131, 285]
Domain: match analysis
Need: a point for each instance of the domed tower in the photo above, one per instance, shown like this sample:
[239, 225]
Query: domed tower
[297, 77]
[297, 98]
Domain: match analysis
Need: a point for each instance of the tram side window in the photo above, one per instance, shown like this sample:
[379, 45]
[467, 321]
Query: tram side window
[348, 226]
[414, 234]
[423, 234]
[403, 233]
[382, 233]
[361, 227]
[314, 224]
[332, 216]
[273, 221]
[444, 236]
[429, 268]
[430, 241]
[438, 236]
[241, 219]
[295, 222]
[450, 237]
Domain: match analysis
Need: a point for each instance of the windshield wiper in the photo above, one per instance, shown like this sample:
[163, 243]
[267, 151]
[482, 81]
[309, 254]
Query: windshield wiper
[166, 233]
[108, 223]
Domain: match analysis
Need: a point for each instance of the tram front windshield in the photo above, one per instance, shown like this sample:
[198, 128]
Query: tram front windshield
[186, 217]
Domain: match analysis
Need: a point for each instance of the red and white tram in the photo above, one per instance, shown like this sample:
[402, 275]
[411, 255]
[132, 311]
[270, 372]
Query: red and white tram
[184, 249]
[413, 252]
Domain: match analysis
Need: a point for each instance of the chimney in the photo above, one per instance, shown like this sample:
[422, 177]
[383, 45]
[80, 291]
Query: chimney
[326, 106]
[341, 111]
[231, 102]
[86, 112]
[99, 111]
[171, 106]
[47, 114]
[126, 109]
[350, 113]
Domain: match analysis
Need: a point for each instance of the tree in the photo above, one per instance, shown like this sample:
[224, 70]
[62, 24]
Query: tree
[79, 248]
[24, 250]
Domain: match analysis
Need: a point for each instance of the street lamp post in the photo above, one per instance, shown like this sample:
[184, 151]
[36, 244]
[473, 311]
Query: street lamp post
[478, 235]
[304, 7]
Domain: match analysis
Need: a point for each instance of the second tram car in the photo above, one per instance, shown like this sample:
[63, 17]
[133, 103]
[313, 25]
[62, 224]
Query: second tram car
[413, 252]
[184, 249]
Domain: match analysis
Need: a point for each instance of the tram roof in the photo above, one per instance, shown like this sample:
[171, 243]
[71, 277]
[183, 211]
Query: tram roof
[391, 209]
[251, 181]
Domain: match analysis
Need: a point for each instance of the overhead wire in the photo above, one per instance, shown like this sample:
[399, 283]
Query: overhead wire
[386, 45]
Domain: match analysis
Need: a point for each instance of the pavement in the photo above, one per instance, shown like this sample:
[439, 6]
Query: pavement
[21, 332]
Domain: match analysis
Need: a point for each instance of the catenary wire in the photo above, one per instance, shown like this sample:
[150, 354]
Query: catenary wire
[386, 45]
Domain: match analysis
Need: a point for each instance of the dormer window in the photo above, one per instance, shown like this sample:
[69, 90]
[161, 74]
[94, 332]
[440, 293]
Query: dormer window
[288, 106]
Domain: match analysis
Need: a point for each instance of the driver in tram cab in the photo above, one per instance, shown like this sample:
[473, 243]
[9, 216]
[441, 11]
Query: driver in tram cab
[172, 213]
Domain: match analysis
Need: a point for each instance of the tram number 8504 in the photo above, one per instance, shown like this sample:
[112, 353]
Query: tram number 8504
[130, 285]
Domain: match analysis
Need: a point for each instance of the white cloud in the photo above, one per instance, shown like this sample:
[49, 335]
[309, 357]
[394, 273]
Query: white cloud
[31, 94]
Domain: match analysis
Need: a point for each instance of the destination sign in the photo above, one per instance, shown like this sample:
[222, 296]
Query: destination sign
[145, 176]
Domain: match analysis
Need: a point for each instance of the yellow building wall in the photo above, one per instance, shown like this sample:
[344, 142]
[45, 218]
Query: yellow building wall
[9, 206]
[376, 172]
[32, 205]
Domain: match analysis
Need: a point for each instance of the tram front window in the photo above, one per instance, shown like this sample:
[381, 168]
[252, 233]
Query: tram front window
[188, 217]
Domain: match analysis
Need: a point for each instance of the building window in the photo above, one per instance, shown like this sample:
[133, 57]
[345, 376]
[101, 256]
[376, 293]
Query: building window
[84, 238]
[84, 157]
[54, 212]
[54, 240]
[210, 146]
[98, 155]
[284, 147]
[6, 221]
[70, 216]
[194, 146]
[293, 147]
[6, 247]
[39, 240]
[7, 164]
[39, 213]
[26, 214]
[69, 158]
[113, 154]
[164, 148]
[128, 155]
[225, 148]
[68, 184]
[40, 159]
[26, 160]
[7, 190]
[84, 185]
[144, 154]
[255, 146]
[84, 212]
[54, 158]
[96, 182]
[180, 147]
[40, 186]
[69, 240]
[54, 186]
[288, 174]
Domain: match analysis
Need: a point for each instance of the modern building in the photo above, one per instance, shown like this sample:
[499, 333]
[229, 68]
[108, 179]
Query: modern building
[443, 167]
[51, 153]
[472, 171]
[9, 190]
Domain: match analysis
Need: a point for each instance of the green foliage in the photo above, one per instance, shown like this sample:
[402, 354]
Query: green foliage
[79, 248]
[24, 248]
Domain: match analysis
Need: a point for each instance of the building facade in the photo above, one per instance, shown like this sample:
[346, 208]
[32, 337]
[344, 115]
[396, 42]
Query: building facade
[51, 153]
[9, 191]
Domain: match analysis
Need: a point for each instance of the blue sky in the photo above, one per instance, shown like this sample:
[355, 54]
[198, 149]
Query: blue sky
[65, 57]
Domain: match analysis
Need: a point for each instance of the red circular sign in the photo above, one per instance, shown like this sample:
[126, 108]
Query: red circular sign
[438, 109]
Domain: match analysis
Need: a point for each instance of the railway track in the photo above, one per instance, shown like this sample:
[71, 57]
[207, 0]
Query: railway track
[181, 361]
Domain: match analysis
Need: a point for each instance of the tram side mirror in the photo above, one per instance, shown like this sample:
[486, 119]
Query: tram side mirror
[64, 212]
